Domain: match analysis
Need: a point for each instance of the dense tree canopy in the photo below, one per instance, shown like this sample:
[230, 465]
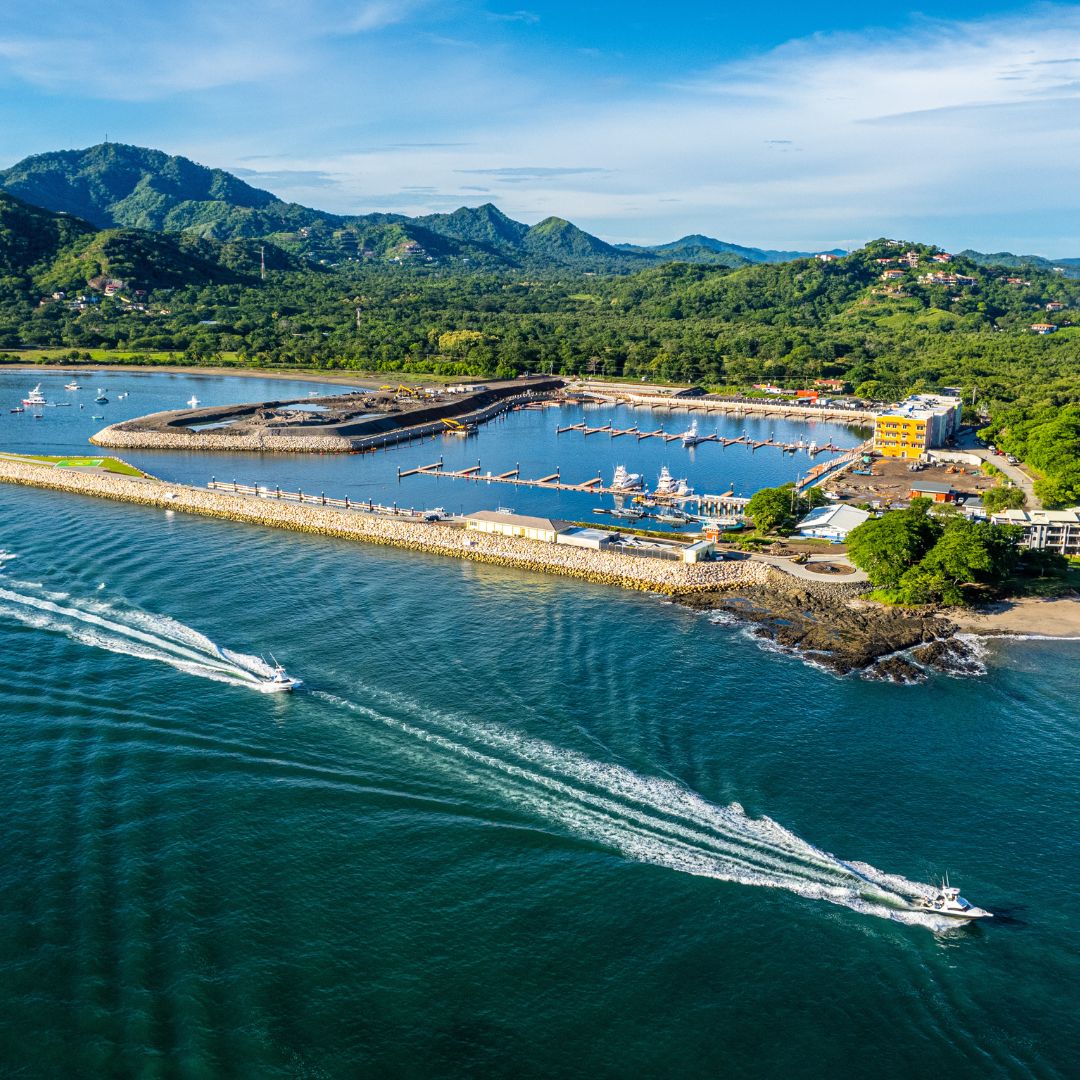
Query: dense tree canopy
[923, 556]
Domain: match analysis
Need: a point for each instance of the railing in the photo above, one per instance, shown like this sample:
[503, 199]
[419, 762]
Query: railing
[364, 506]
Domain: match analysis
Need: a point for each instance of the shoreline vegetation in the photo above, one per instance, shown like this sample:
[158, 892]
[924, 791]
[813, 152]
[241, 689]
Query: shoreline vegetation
[828, 623]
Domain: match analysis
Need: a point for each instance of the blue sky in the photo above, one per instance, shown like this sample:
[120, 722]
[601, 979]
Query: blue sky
[777, 125]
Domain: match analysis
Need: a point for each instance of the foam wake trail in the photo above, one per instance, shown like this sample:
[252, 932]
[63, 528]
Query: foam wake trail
[130, 632]
[646, 818]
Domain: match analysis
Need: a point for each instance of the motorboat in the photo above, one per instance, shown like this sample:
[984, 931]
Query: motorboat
[193, 402]
[19, 409]
[101, 399]
[626, 481]
[690, 437]
[73, 385]
[279, 681]
[35, 397]
[666, 484]
[948, 901]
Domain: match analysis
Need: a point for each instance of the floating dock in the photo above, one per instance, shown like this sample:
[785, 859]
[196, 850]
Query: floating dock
[813, 449]
[727, 503]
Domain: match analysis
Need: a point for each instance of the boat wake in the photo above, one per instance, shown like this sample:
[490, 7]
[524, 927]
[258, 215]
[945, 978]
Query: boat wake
[131, 632]
[646, 818]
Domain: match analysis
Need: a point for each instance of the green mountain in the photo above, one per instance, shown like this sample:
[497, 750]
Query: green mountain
[1006, 259]
[486, 225]
[114, 185]
[699, 248]
[31, 237]
[43, 250]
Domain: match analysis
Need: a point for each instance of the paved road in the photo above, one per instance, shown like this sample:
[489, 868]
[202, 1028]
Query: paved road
[971, 445]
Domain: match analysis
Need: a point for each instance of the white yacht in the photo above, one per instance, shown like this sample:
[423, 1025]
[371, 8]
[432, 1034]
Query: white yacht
[279, 681]
[666, 484]
[193, 402]
[626, 481]
[690, 437]
[35, 397]
[948, 901]
[73, 385]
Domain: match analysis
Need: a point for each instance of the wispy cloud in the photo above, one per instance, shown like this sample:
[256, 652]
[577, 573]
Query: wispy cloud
[946, 128]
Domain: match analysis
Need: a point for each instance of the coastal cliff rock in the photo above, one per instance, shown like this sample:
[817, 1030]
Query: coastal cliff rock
[833, 628]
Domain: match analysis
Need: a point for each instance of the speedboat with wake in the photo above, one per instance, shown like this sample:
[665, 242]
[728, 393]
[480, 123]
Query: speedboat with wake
[279, 681]
[948, 901]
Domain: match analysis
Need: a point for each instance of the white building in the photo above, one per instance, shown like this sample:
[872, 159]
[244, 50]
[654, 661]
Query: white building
[520, 525]
[832, 522]
[580, 536]
[1045, 530]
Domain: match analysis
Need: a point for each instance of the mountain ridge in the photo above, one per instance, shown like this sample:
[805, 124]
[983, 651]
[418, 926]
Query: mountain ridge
[113, 185]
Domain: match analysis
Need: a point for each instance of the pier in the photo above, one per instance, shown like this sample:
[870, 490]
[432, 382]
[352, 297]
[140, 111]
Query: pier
[813, 449]
[552, 482]
[727, 504]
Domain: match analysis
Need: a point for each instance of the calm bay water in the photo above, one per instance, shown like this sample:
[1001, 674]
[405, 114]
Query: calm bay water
[495, 832]
[526, 438]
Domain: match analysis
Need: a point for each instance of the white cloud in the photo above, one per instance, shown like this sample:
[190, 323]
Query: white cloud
[962, 132]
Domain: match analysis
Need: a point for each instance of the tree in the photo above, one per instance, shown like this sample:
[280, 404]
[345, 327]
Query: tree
[778, 509]
[1003, 498]
[888, 546]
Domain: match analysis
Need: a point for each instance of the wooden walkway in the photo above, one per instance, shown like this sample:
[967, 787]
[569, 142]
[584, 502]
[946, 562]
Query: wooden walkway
[813, 449]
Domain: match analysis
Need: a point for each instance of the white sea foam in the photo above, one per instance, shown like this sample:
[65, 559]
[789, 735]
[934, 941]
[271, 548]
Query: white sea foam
[131, 632]
[646, 818]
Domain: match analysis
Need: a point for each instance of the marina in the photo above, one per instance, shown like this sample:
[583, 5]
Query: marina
[691, 437]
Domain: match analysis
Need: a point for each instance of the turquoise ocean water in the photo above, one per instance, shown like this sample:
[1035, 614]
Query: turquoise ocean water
[510, 826]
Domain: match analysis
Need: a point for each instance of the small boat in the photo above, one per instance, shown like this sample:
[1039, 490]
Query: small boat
[35, 397]
[61, 404]
[948, 901]
[73, 385]
[279, 682]
[97, 417]
[19, 409]
[626, 481]
[101, 399]
[39, 416]
[193, 402]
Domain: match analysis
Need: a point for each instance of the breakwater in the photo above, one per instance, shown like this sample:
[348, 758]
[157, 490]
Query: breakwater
[602, 567]
[166, 430]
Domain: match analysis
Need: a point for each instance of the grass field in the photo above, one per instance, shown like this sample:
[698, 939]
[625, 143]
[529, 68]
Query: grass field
[109, 464]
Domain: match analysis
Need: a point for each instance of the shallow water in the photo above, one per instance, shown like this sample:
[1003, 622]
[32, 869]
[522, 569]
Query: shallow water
[510, 826]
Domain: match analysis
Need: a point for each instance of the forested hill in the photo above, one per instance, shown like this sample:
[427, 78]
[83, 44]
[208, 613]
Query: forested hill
[42, 251]
[114, 185]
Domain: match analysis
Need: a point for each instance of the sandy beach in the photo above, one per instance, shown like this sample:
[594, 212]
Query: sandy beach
[1051, 618]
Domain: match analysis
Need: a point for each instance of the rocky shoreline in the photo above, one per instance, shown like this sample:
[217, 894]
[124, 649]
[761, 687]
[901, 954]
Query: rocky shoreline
[832, 628]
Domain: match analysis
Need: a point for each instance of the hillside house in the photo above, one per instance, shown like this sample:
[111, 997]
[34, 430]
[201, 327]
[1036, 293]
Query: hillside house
[1043, 327]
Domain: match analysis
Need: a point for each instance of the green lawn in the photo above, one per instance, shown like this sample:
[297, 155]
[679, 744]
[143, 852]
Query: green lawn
[109, 464]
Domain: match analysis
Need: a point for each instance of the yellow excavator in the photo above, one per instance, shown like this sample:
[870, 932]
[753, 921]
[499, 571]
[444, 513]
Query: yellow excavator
[453, 425]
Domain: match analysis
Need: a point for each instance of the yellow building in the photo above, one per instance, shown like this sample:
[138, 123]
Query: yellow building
[922, 422]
